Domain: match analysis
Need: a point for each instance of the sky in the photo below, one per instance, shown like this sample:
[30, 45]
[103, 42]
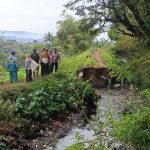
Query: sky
[37, 16]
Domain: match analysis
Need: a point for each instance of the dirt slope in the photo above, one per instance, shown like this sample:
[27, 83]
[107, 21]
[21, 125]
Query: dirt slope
[97, 58]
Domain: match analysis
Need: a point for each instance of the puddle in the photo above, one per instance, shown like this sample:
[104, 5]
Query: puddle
[63, 143]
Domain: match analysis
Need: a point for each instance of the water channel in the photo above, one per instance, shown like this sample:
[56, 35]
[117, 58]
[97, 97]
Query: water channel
[112, 100]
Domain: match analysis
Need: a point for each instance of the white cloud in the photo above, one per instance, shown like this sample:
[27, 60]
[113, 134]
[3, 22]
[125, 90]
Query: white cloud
[38, 16]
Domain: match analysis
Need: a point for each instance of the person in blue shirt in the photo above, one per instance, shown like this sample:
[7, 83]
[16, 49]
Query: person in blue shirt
[12, 67]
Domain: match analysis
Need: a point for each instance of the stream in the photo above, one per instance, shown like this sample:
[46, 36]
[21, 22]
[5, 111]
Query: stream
[114, 101]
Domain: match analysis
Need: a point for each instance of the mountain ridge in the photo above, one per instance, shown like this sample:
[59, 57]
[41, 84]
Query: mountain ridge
[21, 36]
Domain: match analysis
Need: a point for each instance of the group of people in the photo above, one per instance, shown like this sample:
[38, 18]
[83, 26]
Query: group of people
[48, 60]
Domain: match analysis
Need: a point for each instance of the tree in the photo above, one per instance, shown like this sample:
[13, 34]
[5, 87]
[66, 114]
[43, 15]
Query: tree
[70, 36]
[2, 36]
[35, 41]
[131, 17]
[48, 39]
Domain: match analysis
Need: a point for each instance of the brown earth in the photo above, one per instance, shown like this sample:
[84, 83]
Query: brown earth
[98, 75]
[37, 135]
[97, 58]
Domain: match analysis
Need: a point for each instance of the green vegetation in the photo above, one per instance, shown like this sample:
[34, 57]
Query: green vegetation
[4, 76]
[71, 37]
[58, 92]
[134, 128]
[73, 63]
[127, 57]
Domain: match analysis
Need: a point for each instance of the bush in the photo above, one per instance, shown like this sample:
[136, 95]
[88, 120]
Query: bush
[135, 129]
[6, 110]
[54, 96]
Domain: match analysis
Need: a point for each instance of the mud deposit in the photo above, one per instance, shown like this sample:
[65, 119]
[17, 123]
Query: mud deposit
[37, 135]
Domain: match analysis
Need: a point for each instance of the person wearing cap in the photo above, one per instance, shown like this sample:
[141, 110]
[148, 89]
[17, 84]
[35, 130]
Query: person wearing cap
[44, 61]
[12, 67]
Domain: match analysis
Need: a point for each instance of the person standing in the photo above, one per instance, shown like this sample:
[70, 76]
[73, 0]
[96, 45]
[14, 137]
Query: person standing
[36, 58]
[12, 67]
[50, 65]
[55, 59]
[28, 68]
[44, 61]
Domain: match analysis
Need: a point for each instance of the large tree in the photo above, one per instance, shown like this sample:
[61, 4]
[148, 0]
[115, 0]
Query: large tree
[48, 39]
[131, 17]
[71, 37]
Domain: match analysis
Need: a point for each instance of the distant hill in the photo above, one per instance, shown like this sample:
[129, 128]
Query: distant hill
[21, 36]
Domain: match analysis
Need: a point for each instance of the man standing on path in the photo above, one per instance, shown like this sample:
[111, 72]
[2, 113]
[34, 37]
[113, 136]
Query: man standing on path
[44, 61]
[55, 59]
[12, 67]
[50, 65]
[36, 58]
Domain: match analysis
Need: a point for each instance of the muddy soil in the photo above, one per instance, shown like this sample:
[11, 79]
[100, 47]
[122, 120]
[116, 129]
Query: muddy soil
[37, 135]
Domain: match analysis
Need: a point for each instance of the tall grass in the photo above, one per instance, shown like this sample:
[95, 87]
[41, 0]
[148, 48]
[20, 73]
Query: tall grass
[107, 57]
[4, 76]
[73, 63]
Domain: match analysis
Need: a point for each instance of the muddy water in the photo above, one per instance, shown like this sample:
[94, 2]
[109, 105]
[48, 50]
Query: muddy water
[111, 100]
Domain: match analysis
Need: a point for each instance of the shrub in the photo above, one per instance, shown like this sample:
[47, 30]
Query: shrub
[134, 128]
[6, 110]
[54, 96]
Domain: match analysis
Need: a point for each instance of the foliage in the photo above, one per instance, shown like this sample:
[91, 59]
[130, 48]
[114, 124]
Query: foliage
[79, 143]
[129, 17]
[48, 40]
[4, 76]
[135, 55]
[2, 146]
[12, 92]
[71, 38]
[6, 46]
[134, 128]
[72, 64]
[53, 96]
[146, 93]
[6, 111]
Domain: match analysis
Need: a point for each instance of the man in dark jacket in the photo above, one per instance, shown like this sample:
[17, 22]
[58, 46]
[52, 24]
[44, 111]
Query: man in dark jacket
[35, 57]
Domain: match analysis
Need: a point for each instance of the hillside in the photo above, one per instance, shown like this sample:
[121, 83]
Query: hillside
[21, 36]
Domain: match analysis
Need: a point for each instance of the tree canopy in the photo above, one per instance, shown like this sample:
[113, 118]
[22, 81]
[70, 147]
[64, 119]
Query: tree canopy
[130, 17]
[71, 38]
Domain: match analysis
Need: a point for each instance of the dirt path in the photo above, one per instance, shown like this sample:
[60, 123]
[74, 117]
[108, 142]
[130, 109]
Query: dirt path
[97, 58]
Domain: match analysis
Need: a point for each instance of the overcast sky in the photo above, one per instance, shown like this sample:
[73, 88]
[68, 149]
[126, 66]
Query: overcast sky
[38, 16]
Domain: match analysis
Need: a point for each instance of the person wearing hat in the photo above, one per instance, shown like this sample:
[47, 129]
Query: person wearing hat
[12, 67]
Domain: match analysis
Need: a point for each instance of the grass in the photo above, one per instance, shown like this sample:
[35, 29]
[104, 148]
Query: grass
[73, 63]
[107, 57]
[5, 75]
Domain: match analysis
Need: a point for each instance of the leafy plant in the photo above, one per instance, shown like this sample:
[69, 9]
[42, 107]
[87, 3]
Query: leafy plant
[6, 110]
[53, 96]
[134, 128]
